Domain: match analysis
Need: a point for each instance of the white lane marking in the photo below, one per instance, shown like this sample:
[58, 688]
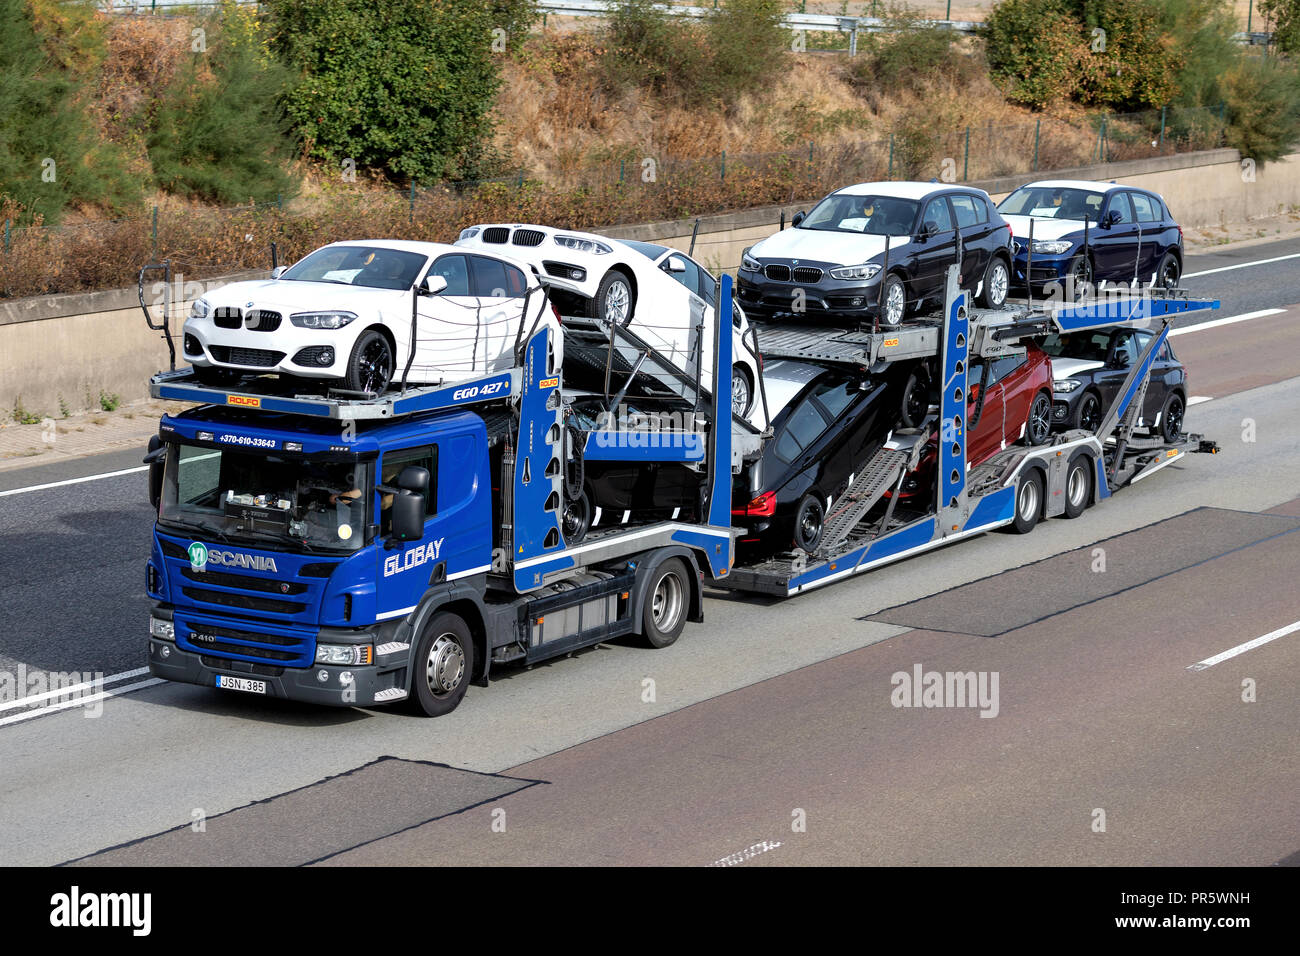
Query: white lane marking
[1243, 648]
[1230, 320]
[71, 689]
[1240, 265]
[80, 701]
[74, 481]
[746, 854]
[1199, 399]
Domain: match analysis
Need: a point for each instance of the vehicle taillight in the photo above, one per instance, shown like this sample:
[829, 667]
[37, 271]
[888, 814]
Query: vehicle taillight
[764, 506]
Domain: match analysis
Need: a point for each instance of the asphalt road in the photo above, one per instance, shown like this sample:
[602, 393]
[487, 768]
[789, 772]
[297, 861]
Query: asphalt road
[767, 709]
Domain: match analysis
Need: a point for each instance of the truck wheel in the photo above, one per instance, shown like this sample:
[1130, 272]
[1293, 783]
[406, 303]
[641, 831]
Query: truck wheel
[809, 522]
[370, 367]
[443, 663]
[614, 301]
[1078, 486]
[1029, 501]
[1039, 426]
[666, 601]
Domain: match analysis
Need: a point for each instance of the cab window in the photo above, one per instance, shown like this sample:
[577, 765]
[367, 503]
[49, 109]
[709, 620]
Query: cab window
[390, 467]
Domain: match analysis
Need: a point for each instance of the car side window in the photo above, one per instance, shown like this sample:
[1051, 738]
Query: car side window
[689, 278]
[1146, 207]
[456, 271]
[1005, 366]
[390, 467]
[1126, 349]
[1119, 203]
[936, 211]
[493, 279]
[834, 396]
[968, 210]
[1143, 340]
[802, 428]
[708, 288]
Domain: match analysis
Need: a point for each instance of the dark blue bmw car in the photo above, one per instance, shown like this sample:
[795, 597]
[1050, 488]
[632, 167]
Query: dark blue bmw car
[1130, 234]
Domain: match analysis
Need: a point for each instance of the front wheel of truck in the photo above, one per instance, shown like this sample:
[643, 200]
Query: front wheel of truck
[443, 663]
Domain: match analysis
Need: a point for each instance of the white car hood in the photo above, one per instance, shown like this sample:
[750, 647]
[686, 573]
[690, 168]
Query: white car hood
[290, 295]
[1067, 367]
[1044, 228]
[819, 245]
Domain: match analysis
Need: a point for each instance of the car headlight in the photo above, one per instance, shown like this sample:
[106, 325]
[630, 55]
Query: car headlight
[578, 244]
[864, 271]
[163, 630]
[1053, 247]
[748, 262]
[322, 320]
[349, 654]
[1065, 384]
[200, 309]
[469, 233]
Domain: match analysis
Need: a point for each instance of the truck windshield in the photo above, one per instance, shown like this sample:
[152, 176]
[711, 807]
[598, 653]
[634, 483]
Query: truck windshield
[238, 496]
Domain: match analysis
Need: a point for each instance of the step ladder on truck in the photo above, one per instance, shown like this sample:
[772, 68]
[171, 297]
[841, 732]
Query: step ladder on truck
[866, 528]
[274, 575]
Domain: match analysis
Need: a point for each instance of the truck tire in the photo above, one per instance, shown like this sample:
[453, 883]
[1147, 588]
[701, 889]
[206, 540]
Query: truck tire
[442, 665]
[370, 366]
[1029, 501]
[667, 600]
[1078, 485]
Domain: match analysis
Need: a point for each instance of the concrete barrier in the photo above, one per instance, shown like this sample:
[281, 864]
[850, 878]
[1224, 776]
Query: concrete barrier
[62, 351]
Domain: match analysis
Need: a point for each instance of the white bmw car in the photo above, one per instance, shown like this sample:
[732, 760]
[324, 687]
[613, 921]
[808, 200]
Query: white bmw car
[644, 287]
[344, 313]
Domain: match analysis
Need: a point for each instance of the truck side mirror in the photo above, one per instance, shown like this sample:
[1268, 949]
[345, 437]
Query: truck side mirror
[433, 285]
[155, 458]
[414, 479]
[279, 271]
[408, 516]
[798, 218]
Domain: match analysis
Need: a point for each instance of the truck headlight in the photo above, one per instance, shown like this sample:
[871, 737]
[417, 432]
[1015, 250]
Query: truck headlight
[864, 271]
[200, 309]
[578, 244]
[748, 262]
[347, 654]
[1053, 247]
[322, 320]
[1065, 384]
[469, 233]
[163, 630]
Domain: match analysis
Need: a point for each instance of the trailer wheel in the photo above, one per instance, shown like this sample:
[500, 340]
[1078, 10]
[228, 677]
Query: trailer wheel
[666, 603]
[809, 522]
[443, 663]
[1078, 486]
[1029, 501]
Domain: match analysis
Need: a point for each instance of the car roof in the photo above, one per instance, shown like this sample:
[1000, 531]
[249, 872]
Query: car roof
[899, 190]
[437, 249]
[1089, 185]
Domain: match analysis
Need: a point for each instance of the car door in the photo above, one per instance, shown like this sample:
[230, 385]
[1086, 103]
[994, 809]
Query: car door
[679, 334]
[1012, 374]
[976, 230]
[937, 252]
[1147, 211]
[984, 436]
[442, 348]
[1122, 354]
[498, 289]
[1115, 246]
[1164, 375]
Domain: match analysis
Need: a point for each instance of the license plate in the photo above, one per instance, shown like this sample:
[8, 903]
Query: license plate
[241, 683]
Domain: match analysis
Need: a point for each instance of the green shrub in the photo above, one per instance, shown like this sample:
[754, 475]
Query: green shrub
[1263, 97]
[1284, 15]
[1036, 48]
[746, 42]
[403, 86]
[219, 132]
[908, 55]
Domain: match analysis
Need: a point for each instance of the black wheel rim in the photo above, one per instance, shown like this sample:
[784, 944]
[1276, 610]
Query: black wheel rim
[575, 519]
[376, 365]
[1040, 420]
[1090, 413]
[810, 526]
[917, 404]
[1082, 275]
[1174, 419]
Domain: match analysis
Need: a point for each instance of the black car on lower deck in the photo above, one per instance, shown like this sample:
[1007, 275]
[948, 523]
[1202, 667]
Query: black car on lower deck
[827, 424]
[1088, 369]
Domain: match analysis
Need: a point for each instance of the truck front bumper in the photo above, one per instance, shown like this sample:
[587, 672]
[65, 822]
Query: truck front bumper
[383, 682]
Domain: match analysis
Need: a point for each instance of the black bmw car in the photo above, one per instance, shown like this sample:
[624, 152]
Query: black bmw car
[829, 264]
[827, 423]
[1088, 369]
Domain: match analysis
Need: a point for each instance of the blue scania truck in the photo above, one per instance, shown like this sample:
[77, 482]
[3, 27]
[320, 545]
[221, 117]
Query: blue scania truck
[360, 550]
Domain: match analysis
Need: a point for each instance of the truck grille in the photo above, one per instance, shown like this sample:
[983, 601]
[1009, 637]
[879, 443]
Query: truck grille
[245, 581]
[244, 601]
[805, 274]
[528, 237]
[497, 234]
[777, 273]
[241, 667]
[253, 358]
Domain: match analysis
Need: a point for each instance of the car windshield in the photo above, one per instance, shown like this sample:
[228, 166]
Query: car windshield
[1092, 346]
[256, 498]
[370, 266]
[647, 249]
[873, 215]
[1053, 202]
